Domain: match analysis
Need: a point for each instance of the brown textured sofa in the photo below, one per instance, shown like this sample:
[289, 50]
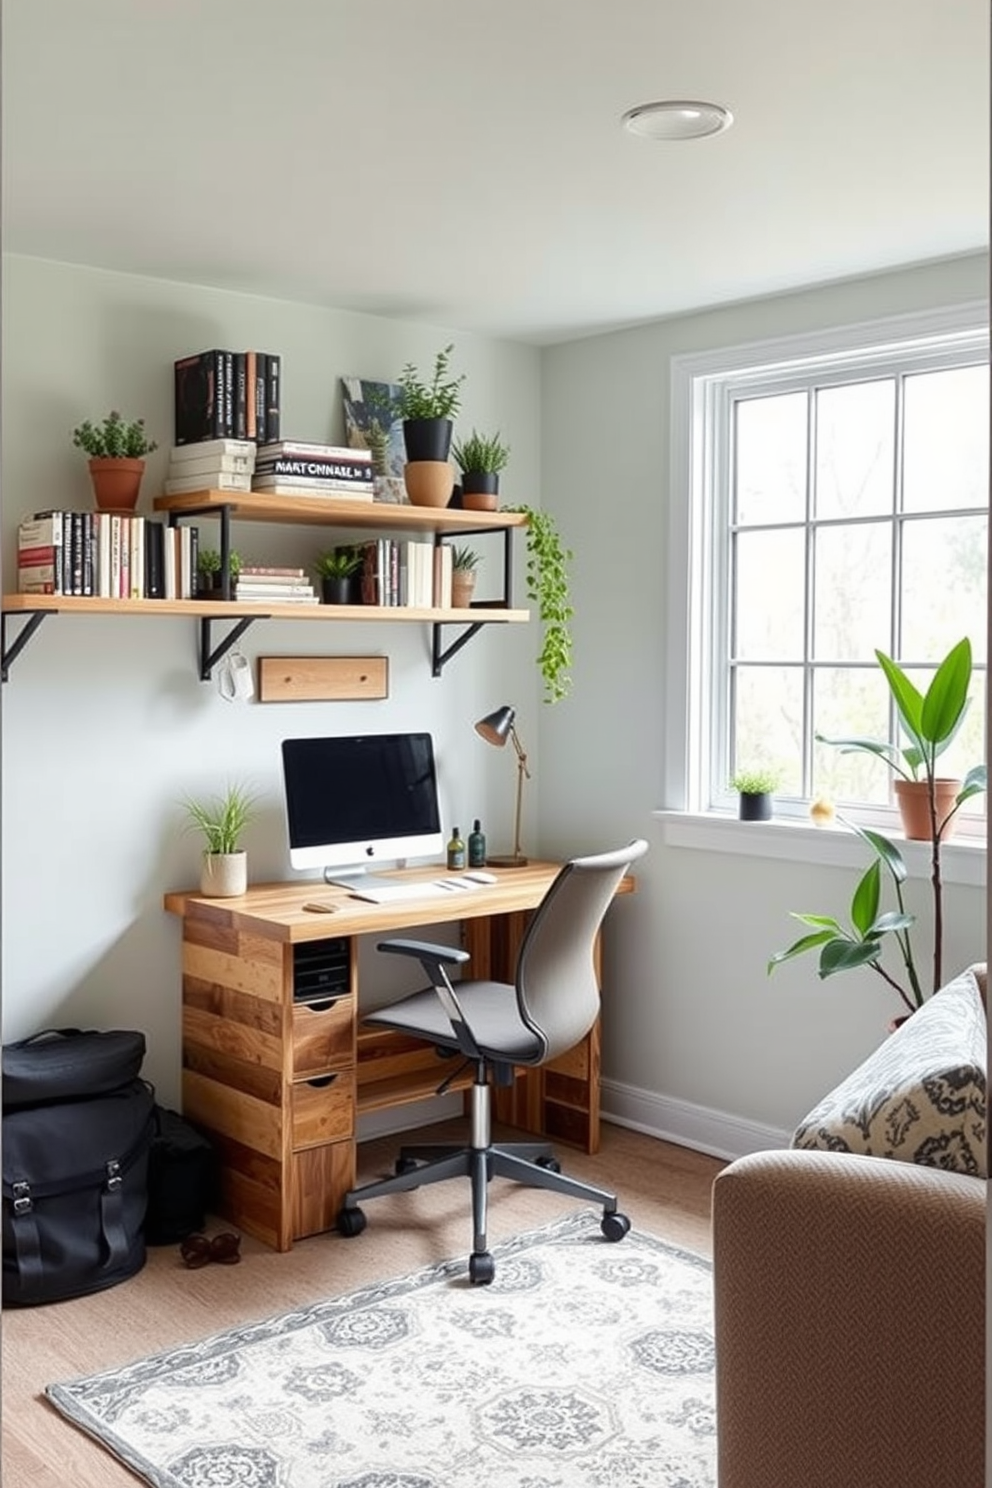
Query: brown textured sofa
[850, 1322]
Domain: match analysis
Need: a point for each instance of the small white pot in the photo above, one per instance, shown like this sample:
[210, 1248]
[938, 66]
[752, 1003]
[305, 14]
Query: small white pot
[224, 875]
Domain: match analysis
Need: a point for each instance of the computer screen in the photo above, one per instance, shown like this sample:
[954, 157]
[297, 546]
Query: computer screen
[360, 801]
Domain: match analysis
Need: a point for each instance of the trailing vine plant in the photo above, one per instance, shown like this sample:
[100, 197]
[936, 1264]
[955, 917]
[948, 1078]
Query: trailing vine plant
[547, 577]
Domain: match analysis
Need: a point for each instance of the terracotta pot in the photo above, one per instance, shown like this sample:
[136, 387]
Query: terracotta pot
[116, 483]
[224, 875]
[480, 500]
[914, 809]
[429, 482]
[462, 589]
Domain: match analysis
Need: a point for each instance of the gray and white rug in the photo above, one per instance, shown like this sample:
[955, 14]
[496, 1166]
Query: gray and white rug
[584, 1365]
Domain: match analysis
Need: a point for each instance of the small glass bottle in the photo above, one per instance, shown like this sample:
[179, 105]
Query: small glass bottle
[456, 849]
[477, 846]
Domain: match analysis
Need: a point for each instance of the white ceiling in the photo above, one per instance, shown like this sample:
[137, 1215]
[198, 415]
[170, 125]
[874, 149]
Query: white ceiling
[461, 161]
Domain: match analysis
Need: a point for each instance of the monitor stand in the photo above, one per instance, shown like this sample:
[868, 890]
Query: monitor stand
[358, 878]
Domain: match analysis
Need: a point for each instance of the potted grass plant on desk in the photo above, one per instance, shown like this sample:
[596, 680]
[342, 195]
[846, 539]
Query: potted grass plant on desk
[222, 820]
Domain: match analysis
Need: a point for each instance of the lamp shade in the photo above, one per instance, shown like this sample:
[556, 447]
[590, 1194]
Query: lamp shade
[495, 727]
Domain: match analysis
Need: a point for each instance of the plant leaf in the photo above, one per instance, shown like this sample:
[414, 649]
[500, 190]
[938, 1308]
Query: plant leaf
[888, 752]
[807, 943]
[845, 955]
[823, 920]
[947, 695]
[973, 784]
[908, 699]
[892, 919]
[886, 850]
[864, 904]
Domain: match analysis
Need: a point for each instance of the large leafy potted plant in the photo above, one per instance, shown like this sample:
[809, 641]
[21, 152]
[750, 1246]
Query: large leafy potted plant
[931, 721]
[427, 406]
[116, 449]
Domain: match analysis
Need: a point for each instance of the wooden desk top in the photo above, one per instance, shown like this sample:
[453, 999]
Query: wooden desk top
[276, 910]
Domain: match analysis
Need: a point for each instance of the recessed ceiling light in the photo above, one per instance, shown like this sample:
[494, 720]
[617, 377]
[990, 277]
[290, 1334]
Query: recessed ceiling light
[677, 119]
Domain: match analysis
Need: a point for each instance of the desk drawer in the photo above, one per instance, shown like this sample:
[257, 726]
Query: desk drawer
[323, 1109]
[323, 1036]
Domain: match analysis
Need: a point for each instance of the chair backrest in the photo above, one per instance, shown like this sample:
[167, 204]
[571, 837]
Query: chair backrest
[557, 989]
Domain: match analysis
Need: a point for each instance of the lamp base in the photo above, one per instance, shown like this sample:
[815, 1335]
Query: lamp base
[513, 860]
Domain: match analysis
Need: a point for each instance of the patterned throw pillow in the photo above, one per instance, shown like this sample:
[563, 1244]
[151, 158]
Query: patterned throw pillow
[921, 1097]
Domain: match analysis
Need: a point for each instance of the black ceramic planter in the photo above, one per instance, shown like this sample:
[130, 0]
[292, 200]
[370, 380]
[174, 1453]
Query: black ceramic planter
[480, 483]
[338, 590]
[755, 806]
[427, 439]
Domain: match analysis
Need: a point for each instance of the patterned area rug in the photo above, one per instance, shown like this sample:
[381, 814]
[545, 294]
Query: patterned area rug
[585, 1364]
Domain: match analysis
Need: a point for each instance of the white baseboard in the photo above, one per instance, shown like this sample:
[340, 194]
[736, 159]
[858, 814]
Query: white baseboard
[698, 1127]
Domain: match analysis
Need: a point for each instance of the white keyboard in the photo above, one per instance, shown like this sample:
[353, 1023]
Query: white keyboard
[430, 888]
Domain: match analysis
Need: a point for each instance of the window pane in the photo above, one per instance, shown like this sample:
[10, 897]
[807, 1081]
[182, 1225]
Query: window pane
[770, 587]
[849, 703]
[853, 588]
[770, 722]
[945, 582]
[947, 439]
[771, 459]
[855, 449]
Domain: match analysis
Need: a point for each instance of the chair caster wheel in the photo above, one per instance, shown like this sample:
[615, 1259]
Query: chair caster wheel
[404, 1165]
[551, 1164]
[351, 1221]
[481, 1268]
[614, 1226]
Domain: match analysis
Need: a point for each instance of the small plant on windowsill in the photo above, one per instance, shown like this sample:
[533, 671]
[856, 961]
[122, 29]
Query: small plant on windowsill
[755, 787]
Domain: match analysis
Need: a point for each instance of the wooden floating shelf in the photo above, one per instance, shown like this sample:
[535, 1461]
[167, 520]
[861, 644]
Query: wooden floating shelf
[234, 609]
[318, 510]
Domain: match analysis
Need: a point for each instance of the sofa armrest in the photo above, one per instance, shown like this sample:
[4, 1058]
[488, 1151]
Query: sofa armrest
[850, 1322]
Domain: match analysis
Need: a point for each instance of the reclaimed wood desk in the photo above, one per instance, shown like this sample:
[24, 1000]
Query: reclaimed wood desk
[276, 1070]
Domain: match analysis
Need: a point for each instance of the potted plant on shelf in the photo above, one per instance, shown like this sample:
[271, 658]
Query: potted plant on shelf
[755, 786]
[928, 803]
[428, 408]
[116, 449]
[480, 458]
[931, 721]
[337, 569]
[222, 820]
[464, 563]
[210, 580]
[547, 579]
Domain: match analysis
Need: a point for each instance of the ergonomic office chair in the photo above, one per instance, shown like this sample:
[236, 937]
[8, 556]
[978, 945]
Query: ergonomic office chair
[552, 1005]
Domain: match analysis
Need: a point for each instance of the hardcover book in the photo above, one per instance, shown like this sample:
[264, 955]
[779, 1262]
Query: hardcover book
[202, 448]
[199, 397]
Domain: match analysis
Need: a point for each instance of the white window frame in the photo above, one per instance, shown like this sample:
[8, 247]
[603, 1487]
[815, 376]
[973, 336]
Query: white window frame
[699, 395]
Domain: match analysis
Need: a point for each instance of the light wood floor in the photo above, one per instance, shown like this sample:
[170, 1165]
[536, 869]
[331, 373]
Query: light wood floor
[664, 1190]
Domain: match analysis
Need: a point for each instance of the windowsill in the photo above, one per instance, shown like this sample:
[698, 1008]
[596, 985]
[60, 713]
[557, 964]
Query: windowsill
[962, 861]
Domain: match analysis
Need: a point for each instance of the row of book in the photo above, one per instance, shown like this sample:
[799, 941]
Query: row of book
[223, 394]
[406, 572]
[109, 555]
[279, 468]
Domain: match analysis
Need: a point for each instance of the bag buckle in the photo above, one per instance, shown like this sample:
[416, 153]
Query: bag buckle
[22, 1197]
[114, 1179]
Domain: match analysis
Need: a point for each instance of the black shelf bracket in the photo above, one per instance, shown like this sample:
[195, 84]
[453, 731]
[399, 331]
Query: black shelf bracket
[442, 655]
[20, 640]
[208, 658]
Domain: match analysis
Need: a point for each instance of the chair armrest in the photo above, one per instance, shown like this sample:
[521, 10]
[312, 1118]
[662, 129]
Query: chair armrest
[425, 950]
[849, 1301]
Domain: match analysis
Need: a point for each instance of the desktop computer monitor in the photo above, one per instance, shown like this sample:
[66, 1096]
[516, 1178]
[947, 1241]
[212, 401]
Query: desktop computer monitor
[354, 803]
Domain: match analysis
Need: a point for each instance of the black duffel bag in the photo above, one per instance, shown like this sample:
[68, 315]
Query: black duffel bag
[75, 1167]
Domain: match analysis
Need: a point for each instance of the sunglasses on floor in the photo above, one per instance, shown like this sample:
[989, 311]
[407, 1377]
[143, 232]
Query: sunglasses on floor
[198, 1250]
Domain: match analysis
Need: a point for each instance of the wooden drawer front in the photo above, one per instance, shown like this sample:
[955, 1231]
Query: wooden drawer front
[323, 1109]
[323, 1036]
[321, 1178]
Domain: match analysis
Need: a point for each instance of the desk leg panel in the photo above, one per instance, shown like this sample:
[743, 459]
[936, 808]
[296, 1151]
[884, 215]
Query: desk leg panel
[321, 1178]
[252, 1195]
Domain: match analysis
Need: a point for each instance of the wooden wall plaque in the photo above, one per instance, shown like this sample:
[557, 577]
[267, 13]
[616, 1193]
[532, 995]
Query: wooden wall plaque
[320, 679]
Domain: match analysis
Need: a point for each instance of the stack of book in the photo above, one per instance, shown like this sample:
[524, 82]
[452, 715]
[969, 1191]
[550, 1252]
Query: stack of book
[260, 584]
[292, 468]
[408, 573]
[109, 555]
[228, 395]
[210, 465]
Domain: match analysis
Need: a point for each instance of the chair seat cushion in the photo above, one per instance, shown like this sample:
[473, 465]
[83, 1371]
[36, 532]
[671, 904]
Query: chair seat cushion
[490, 1009]
[921, 1097]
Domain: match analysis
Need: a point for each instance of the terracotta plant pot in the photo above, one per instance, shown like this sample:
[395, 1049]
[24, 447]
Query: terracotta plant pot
[914, 808]
[462, 589]
[116, 483]
[480, 490]
[429, 482]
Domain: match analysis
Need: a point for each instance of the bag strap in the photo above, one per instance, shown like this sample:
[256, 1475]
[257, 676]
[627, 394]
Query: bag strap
[27, 1241]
